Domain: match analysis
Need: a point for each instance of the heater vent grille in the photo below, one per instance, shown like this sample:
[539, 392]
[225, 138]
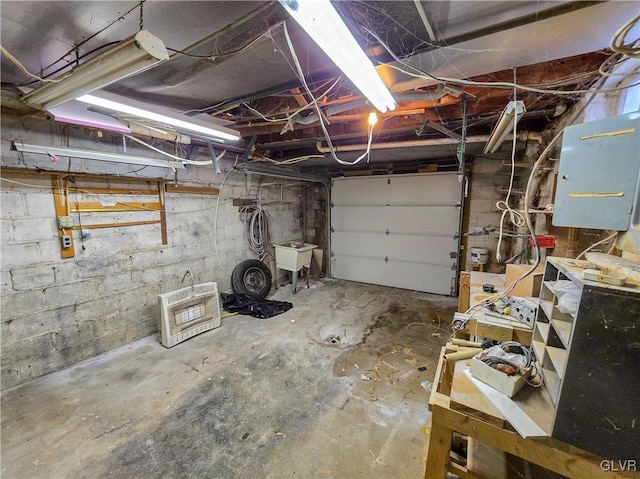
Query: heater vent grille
[187, 312]
[190, 313]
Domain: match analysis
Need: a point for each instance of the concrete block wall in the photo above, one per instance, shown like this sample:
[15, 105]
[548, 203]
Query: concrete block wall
[481, 210]
[56, 312]
[316, 226]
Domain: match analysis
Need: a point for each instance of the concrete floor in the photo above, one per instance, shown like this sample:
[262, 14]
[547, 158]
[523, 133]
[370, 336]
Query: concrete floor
[330, 389]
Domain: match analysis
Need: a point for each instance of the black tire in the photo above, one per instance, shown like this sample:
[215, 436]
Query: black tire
[251, 277]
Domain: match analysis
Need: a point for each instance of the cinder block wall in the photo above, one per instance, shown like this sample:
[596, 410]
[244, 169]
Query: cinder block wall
[488, 176]
[56, 312]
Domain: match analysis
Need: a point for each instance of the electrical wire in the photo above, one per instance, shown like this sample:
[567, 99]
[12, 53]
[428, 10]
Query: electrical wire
[631, 49]
[24, 69]
[320, 117]
[418, 73]
[290, 117]
[72, 180]
[215, 217]
[607, 239]
[75, 48]
[173, 157]
[242, 49]
[503, 205]
[257, 230]
[24, 184]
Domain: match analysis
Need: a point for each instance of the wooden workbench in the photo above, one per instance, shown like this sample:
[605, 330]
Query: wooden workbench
[456, 406]
[492, 325]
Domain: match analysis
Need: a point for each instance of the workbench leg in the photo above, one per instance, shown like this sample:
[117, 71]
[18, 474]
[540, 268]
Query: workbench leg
[438, 453]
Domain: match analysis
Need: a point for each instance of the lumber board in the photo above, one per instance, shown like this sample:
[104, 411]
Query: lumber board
[568, 463]
[466, 397]
[195, 190]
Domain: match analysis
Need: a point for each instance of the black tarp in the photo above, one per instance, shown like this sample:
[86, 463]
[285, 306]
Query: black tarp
[254, 305]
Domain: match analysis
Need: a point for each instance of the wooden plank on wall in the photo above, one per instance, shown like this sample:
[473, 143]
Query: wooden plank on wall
[96, 206]
[163, 214]
[196, 190]
[60, 201]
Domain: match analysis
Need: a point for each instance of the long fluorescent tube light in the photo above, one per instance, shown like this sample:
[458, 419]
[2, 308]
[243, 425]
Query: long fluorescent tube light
[133, 55]
[159, 114]
[505, 125]
[325, 27]
[96, 155]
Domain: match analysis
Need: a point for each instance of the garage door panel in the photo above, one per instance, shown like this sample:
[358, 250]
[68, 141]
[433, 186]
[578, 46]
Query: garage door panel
[432, 250]
[403, 219]
[424, 220]
[397, 274]
[354, 190]
[355, 243]
[412, 248]
[359, 218]
[434, 188]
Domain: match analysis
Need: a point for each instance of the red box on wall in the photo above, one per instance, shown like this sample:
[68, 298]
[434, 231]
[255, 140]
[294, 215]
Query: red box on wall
[545, 241]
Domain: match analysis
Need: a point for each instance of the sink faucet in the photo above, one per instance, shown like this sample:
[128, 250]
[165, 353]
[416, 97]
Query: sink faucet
[190, 274]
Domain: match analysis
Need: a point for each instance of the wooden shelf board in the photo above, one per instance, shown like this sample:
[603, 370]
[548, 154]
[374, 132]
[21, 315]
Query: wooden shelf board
[538, 348]
[547, 307]
[563, 328]
[544, 330]
[552, 383]
[558, 358]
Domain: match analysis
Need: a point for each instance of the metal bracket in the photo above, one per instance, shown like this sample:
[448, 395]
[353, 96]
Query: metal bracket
[438, 127]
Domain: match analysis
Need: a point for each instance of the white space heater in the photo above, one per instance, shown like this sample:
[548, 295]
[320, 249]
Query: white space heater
[187, 312]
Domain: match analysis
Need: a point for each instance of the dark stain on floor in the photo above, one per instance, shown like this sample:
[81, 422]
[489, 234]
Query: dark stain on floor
[399, 349]
[229, 426]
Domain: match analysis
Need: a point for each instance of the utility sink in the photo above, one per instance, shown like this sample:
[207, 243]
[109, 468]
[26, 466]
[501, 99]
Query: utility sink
[293, 257]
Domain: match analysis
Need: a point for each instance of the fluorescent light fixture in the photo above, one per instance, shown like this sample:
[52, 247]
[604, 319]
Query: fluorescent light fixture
[159, 114]
[325, 27]
[76, 113]
[133, 55]
[505, 125]
[96, 155]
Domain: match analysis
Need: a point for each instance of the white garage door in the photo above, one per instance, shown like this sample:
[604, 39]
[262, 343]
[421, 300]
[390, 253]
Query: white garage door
[399, 231]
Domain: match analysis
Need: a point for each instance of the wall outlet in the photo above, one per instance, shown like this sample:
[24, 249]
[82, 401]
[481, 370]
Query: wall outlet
[66, 241]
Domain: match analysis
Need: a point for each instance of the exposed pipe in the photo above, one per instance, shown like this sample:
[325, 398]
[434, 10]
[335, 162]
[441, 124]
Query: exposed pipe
[403, 144]
[142, 130]
[362, 102]
[522, 136]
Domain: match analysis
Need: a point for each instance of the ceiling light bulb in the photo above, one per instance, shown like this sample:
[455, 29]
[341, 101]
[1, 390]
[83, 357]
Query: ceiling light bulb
[323, 24]
[373, 118]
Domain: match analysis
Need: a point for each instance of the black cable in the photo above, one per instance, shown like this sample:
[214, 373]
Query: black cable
[73, 180]
[75, 48]
[70, 64]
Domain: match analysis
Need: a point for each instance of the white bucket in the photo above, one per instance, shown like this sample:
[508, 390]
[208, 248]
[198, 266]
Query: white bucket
[479, 255]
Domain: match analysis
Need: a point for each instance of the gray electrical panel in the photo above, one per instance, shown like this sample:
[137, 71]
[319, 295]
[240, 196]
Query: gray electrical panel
[598, 178]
